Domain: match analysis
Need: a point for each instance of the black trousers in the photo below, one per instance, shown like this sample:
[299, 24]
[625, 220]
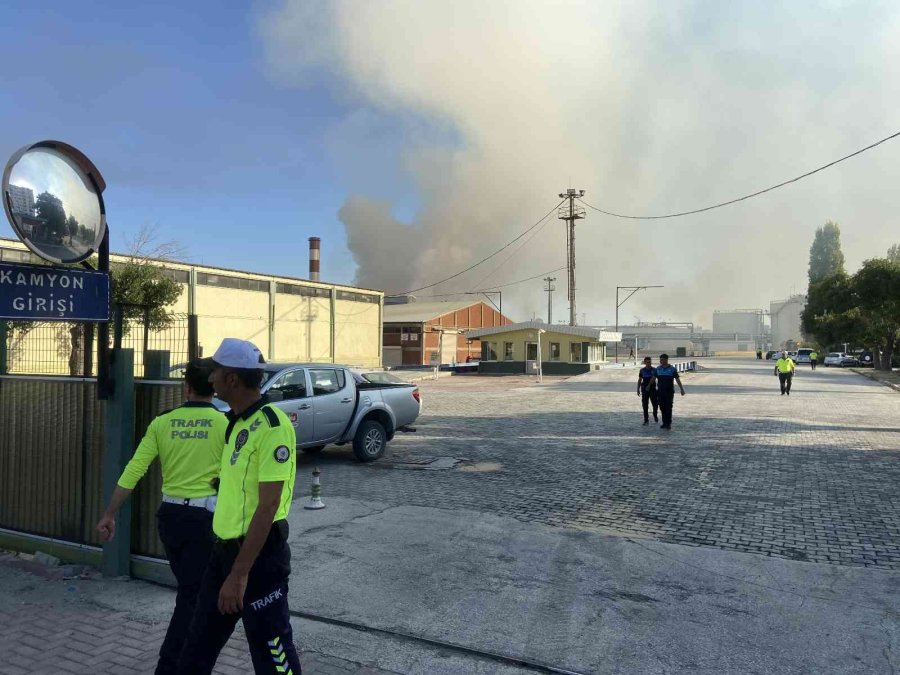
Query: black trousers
[649, 396]
[666, 401]
[265, 614]
[785, 380]
[813, 363]
[186, 534]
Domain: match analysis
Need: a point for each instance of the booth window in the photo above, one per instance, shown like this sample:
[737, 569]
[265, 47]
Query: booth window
[488, 351]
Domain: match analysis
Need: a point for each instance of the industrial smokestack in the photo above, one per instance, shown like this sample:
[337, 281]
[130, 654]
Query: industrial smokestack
[314, 247]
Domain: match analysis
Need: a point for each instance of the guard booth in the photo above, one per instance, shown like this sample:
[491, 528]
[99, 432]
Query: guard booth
[533, 347]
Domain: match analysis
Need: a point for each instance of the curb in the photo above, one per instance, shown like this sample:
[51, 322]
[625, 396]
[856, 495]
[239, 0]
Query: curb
[871, 375]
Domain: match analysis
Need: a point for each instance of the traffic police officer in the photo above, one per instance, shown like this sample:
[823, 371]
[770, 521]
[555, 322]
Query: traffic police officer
[188, 441]
[813, 359]
[247, 574]
[665, 379]
[784, 369]
[646, 389]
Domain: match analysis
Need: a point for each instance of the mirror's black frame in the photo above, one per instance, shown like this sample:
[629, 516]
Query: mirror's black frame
[85, 165]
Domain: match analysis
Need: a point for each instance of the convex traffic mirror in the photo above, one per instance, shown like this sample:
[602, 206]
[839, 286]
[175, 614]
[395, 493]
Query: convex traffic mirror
[52, 198]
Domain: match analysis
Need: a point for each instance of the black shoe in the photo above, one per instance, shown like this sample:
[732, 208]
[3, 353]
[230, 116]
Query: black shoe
[788, 393]
[665, 426]
[782, 393]
[646, 422]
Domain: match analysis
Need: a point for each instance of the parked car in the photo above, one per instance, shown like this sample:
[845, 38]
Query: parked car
[772, 355]
[866, 359]
[803, 355]
[330, 404]
[840, 359]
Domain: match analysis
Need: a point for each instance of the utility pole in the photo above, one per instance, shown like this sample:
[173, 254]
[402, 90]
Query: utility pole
[550, 288]
[633, 289]
[570, 214]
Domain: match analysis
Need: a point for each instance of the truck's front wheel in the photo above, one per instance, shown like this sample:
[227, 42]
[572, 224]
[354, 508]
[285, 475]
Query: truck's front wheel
[370, 441]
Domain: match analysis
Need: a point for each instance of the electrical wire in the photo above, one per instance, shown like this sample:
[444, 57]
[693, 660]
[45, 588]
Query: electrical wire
[492, 288]
[750, 196]
[512, 255]
[521, 281]
[485, 259]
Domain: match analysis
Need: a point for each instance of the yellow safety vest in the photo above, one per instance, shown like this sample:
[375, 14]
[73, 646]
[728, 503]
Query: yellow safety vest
[188, 441]
[260, 447]
[785, 365]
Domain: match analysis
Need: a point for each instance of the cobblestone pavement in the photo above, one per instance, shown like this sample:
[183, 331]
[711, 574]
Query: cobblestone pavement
[42, 633]
[811, 477]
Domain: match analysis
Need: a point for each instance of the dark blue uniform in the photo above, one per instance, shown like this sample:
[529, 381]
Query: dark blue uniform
[665, 382]
[648, 393]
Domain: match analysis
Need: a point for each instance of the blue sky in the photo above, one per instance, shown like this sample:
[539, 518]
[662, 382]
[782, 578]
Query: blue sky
[171, 100]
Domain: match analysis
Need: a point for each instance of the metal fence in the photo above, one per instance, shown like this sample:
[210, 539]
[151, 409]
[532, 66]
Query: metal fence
[70, 349]
[51, 449]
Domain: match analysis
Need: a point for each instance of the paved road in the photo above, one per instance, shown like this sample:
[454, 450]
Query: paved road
[808, 477]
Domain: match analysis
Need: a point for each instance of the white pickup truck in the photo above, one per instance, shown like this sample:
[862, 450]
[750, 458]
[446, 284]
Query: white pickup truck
[331, 404]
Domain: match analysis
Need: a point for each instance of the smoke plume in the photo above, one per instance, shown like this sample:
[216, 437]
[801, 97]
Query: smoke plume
[650, 107]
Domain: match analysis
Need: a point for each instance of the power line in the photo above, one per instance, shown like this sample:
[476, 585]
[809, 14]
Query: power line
[485, 259]
[513, 253]
[522, 281]
[750, 196]
[492, 288]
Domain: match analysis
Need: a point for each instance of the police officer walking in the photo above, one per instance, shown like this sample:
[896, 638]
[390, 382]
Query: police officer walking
[784, 369]
[188, 441]
[813, 359]
[646, 389]
[247, 574]
[665, 378]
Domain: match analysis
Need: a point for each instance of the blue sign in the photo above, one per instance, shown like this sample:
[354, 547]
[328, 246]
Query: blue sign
[42, 293]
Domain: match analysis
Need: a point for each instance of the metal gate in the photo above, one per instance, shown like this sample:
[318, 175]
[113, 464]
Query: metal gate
[51, 449]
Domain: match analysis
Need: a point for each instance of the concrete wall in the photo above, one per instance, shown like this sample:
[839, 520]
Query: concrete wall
[518, 368]
[302, 328]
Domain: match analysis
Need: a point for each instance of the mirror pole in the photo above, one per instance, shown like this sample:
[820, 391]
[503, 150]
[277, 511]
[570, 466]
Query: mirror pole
[4, 336]
[104, 382]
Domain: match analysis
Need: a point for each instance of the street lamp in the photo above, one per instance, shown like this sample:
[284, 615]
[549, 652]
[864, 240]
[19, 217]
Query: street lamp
[633, 289]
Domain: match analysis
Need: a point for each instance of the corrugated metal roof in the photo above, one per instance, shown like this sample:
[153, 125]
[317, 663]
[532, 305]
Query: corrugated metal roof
[420, 312]
[580, 331]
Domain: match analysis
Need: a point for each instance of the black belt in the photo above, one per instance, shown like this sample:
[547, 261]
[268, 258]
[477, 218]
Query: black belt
[279, 531]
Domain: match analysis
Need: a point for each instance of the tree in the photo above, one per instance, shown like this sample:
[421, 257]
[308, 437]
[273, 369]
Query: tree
[826, 315]
[877, 291]
[862, 309]
[49, 208]
[71, 227]
[825, 256]
[893, 253]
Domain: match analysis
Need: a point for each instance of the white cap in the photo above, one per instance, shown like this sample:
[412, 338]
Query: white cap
[234, 353]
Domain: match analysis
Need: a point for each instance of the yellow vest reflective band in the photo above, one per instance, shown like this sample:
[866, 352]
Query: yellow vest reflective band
[260, 447]
[188, 441]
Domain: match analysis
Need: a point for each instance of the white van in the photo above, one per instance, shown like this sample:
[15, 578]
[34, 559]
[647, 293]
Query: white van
[803, 355]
